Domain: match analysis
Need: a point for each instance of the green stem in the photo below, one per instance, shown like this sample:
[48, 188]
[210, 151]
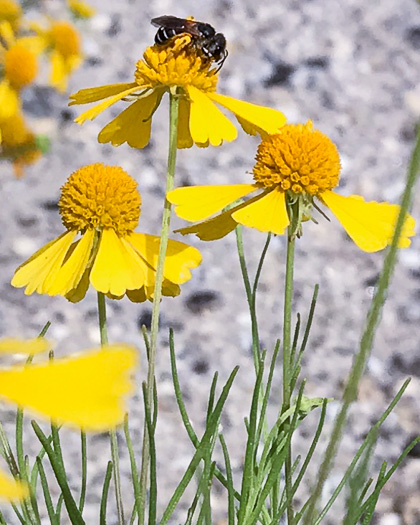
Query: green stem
[366, 341]
[157, 296]
[287, 364]
[112, 433]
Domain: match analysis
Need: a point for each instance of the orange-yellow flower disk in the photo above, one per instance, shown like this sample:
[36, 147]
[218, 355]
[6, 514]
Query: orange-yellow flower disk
[102, 204]
[176, 67]
[293, 167]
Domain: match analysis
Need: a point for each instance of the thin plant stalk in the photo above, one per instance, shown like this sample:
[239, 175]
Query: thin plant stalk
[112, 433]
[287, 364]
[366, 341]
[157, 295]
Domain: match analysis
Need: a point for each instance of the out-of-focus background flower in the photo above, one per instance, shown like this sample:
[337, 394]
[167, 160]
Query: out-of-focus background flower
[350, 67]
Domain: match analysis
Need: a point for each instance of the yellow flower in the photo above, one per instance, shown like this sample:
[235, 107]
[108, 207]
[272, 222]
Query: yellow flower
[81, 9]
[85, 390]
[18, 145]
[62, 40]
[11, 12]
[11, 489]
[293, 167]
[179, 68]
[18, 57]
[103, 205]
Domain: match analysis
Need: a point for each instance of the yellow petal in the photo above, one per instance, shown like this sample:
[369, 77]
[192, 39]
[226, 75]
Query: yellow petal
[117, 266]
[208, 125]
[212, 229]
[9, 101]
[86, 390]
[195, 203]
[71, 272]
[180, 257]
[184, 138]
[267, 213]
[253, 118]
[59, 74]
[7, 34]
[11, 489]
[370, 224]
[14, 345]
[78, 293]
[92, 113]
[88, 95]
[43, 265]
[133, 124]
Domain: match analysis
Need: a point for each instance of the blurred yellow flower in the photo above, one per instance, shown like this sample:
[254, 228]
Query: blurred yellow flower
[19, 144]
[11, 489]
[176, 67]
[292, 167]
[62, 41]
[81, 9]
[18, 58]
[85, 390]
[11, 12]
[102, 203]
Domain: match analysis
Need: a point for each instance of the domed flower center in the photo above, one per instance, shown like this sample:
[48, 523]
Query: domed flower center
[98, 196]
[20, 66]
[65, 39]
[177, 63]
[299, 159]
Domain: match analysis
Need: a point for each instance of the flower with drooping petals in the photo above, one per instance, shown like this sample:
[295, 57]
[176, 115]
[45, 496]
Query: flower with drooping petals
[180, 68]
[18, 57]
[62, 41]
[19, 145]
[102, 204]
[293, 168]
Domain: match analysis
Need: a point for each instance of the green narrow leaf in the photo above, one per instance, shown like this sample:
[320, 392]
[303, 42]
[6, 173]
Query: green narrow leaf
[58, 468]
[152, 458]
[105, 492]
[47, 495]
[229, 479]
[84, 471]
[133, 466]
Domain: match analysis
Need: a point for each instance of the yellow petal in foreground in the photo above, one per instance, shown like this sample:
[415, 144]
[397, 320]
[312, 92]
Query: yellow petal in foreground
[370, 224]
[267, 213]
[11, 489]
[208, 125]
[133, 125]
[15, 345]
[180, 257]
[43, 265]
[126, 271]
[86, 391]
[195, 203]
[253, 118]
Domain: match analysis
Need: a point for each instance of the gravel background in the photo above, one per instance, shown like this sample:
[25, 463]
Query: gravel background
[353, 67]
